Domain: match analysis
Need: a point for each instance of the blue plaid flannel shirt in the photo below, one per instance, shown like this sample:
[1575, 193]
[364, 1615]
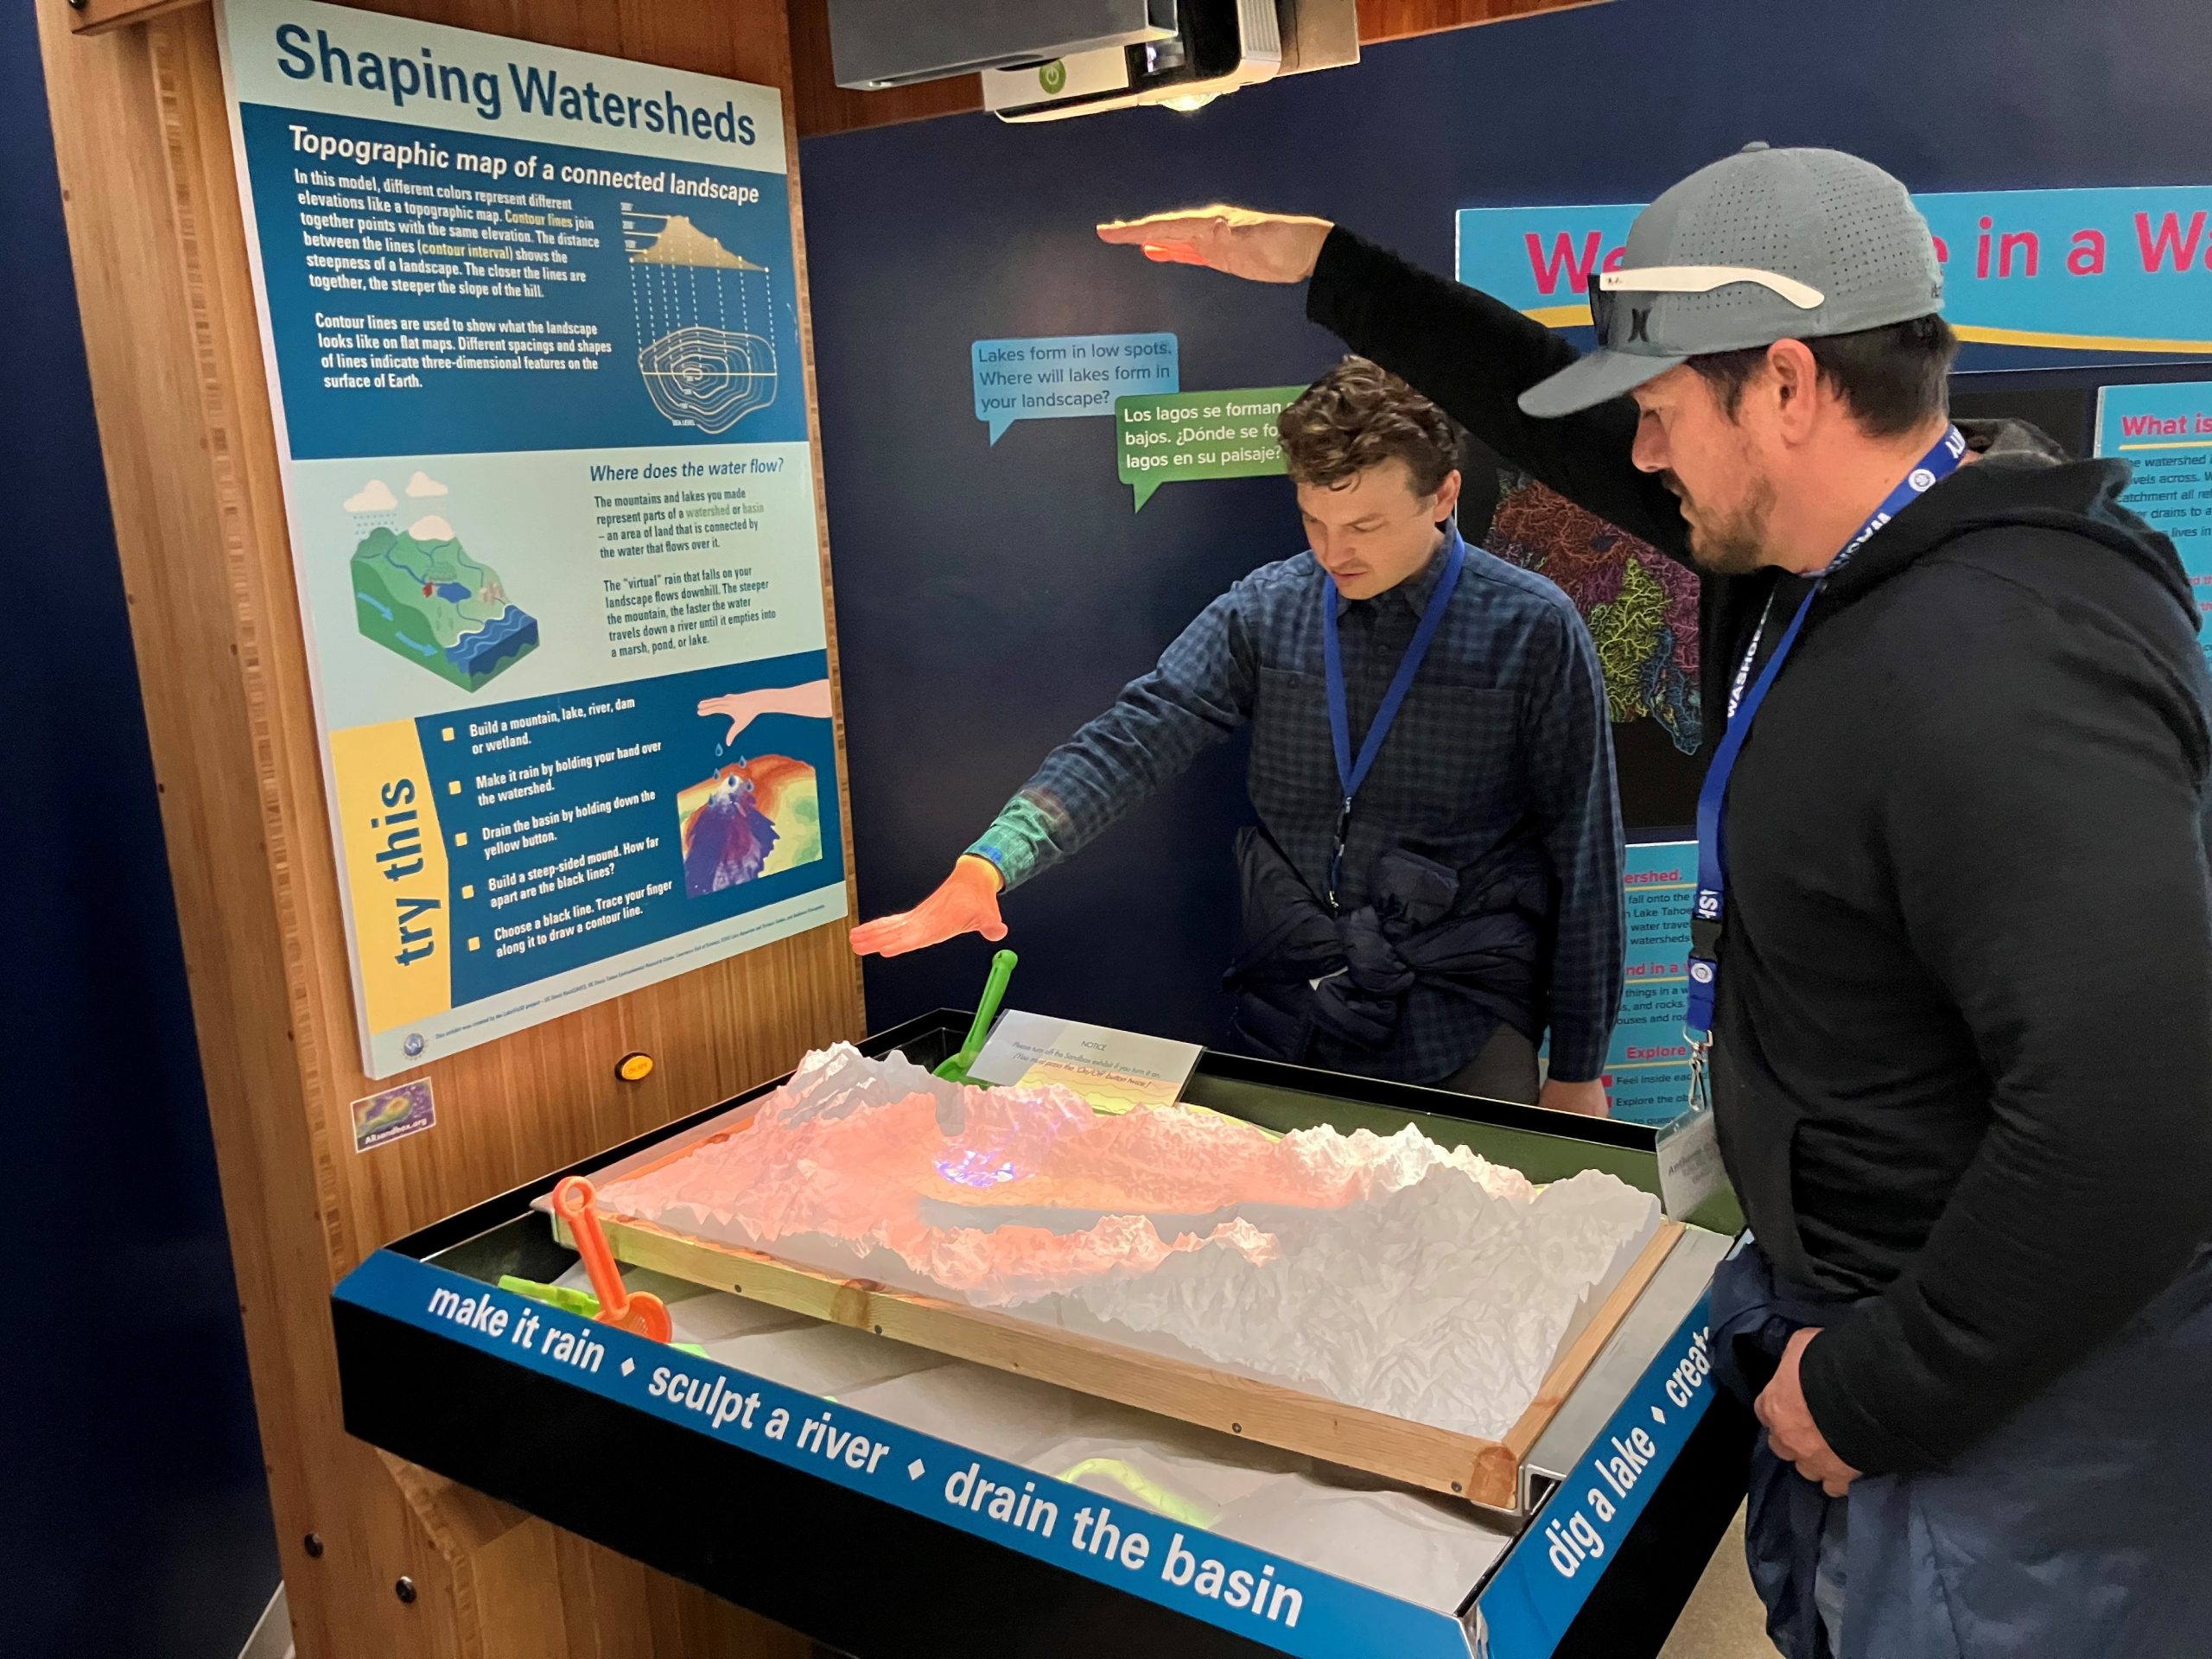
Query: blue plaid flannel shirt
[1503, 736]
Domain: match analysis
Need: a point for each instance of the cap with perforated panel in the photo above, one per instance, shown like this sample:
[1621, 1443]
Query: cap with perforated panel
[1767, 245]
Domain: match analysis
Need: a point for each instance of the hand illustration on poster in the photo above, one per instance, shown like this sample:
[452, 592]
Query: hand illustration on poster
[756, 816]
[810, 701]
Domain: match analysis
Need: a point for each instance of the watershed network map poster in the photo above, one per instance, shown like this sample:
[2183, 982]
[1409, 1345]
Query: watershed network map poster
[531, 321]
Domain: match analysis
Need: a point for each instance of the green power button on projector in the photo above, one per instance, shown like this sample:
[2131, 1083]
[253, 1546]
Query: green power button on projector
[1053, 76]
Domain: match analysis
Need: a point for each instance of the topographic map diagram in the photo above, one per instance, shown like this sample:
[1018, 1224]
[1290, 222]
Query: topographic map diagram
[419, 593]
[1641, 607]
[702, 364]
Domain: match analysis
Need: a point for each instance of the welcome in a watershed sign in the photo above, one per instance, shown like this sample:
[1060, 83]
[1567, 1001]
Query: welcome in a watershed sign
[2110, 270]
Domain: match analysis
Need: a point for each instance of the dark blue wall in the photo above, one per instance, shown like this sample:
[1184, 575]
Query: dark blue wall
[991, 600]
[134, 1520]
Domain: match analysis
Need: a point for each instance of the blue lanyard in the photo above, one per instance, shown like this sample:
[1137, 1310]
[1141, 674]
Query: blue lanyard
[1743, 707]
[1352, 774]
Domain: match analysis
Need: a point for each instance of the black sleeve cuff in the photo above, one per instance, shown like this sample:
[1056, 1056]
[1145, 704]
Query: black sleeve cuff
[1857, 1347]
[1340, 275]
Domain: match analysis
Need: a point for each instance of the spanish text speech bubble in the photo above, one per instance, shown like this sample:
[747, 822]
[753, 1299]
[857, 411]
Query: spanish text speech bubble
[1051, 379]
[1168, 440]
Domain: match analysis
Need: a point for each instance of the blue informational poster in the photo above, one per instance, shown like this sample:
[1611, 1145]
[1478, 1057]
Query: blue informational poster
[531, 327]
[1648, 1071]
[2166, 430]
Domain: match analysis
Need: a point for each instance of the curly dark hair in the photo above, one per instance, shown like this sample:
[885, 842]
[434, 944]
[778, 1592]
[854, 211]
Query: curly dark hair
[1359, 415]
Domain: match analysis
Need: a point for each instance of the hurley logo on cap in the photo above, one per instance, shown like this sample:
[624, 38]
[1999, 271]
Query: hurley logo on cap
[1763, 245]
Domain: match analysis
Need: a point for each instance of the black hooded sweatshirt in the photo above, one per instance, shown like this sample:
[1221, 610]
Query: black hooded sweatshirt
[1963, 1054]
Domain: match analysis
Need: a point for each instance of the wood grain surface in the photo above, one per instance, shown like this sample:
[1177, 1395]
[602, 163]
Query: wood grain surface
[152, 204]
[1481, 1470]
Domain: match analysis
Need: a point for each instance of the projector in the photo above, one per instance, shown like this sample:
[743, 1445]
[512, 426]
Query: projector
[1218, 46]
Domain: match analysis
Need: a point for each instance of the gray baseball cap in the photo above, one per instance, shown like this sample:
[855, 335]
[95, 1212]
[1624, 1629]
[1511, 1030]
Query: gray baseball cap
[1767, 245]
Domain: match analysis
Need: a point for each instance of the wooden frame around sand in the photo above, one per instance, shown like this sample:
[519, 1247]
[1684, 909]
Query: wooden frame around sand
[1481, 1472]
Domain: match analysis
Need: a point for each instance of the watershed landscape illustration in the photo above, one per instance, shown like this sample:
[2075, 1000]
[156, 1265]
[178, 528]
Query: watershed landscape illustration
[422, 596]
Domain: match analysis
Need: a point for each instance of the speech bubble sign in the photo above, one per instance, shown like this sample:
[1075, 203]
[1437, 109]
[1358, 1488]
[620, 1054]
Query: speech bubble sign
[1056, 377]
[1172, 438]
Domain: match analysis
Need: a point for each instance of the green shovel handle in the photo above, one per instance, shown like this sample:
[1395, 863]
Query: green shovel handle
[956, 1069]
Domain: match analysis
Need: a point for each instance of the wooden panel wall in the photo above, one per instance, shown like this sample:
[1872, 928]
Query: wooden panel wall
[162, 282]
[1394, 20]
[824, 106]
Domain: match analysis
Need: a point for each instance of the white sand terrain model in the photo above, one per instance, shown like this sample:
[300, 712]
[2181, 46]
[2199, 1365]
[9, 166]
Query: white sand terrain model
[1393, 1274]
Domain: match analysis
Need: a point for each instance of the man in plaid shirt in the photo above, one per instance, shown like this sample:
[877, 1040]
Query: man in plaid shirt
[1469, 894]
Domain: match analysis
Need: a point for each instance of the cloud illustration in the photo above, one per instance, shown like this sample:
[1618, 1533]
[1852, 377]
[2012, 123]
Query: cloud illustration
[423, 483]
[375, 496]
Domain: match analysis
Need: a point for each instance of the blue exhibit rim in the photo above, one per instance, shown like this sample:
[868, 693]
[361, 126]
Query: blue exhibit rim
[1285, 1606]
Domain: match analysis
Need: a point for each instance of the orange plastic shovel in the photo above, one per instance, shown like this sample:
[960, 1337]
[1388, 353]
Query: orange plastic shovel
[644, 1313]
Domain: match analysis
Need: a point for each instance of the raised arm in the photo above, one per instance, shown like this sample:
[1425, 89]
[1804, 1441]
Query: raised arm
[1470, 353]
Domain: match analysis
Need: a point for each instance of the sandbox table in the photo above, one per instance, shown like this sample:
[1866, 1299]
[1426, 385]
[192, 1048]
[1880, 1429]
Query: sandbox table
[872, 1534]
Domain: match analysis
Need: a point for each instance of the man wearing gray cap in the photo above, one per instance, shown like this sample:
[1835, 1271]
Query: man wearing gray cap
[1952, 937]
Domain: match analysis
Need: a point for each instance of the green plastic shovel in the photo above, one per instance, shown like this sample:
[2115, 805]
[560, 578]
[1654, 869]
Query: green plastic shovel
[956, 1069]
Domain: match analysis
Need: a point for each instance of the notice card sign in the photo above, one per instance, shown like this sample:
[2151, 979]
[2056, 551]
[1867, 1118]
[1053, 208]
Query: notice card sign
[1114, 1070]
[531, 322]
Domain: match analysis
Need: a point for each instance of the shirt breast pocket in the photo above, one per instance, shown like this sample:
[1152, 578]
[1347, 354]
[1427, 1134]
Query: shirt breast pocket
[1292, 759]
[1453, 749]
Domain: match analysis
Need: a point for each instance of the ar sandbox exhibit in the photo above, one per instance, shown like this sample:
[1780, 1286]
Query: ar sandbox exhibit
[1423, 1286]
[1280, 1361]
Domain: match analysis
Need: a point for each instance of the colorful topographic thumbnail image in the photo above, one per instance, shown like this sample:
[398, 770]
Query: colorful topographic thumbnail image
[1640, 605]
[754, 818]
[420, 595]
[407, 1109]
